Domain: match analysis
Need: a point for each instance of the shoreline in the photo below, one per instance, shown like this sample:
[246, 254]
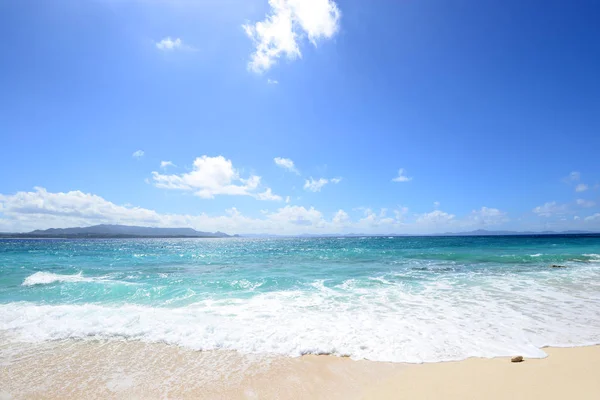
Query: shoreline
[132, 369]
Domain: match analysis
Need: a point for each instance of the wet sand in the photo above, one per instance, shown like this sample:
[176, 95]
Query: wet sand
[134, 370]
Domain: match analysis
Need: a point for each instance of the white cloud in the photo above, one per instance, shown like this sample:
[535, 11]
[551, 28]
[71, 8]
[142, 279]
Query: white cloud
[488, 216]
[595, 217]
[440, 221]
[549, 209]
[335, 180]
[436, 204]
[573, 177]
[401, 212]
[585, 203]
[401, 176]
[297, 216]
[582, 187]
[341, 218]
[40, 209]
[138, 154]
[373, 221]
[169, 44]
[166, 164]
[576, 218]
[272, 82]
[213, 176]
[315, 185]
[435, 217]
[268, 195]
[286, 25]
[286, 163]
[287, 199]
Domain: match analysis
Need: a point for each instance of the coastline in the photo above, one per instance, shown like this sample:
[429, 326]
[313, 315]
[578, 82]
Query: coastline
[131, 369]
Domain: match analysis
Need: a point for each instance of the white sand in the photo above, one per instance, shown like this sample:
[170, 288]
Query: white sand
[133, 370]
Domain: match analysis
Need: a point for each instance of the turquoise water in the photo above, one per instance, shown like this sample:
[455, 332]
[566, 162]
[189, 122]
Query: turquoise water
[409, 299]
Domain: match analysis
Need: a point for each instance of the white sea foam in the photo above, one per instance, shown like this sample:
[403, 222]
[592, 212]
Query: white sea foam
[535, 255]
[594, 257]
[45, 278]
[246, 284]
[450, 317]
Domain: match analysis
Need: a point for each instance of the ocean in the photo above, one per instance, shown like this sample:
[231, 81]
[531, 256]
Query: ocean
[396, 299]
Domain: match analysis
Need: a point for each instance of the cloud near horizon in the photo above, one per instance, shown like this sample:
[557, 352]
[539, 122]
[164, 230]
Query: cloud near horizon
[40, 209]
[550, 208]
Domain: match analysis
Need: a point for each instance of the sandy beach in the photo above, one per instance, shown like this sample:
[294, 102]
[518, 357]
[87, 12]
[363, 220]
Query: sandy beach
[134, 370]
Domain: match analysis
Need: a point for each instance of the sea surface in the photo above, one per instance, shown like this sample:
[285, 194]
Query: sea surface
[398, 299]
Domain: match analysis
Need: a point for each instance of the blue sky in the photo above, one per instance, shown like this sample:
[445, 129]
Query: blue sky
[491, 109]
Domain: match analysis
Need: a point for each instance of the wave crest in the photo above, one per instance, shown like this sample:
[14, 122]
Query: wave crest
[45, 278]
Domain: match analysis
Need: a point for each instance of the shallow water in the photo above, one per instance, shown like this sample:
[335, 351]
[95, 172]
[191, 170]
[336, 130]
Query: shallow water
[401, 299]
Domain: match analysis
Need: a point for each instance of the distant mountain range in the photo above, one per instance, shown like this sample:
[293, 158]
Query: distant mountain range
[116, 231]
[124, 231]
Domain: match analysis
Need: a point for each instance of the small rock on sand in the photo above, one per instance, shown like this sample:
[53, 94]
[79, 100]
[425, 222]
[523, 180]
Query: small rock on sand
[557, 266]
[516, 359]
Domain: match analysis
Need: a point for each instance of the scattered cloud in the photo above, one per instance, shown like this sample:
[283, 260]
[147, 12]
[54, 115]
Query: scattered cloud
[138, 154]
[286, 25]
[585, 203]
[374, 221]
[595, 217]
[549, 209]
[576, 218]
[268, 195]
[477, 219]
[488, 216]
[335, 180]
[298, 216]
[40, 209]
[166, 164]
[287, 199]
[400, 212]
[401, 176]
[341, 218]
[213, 176]
[286, 163]
[272, 82]
[313, 185]
[435, 217]
[169, 44]
[436, 204]
[573, 177]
